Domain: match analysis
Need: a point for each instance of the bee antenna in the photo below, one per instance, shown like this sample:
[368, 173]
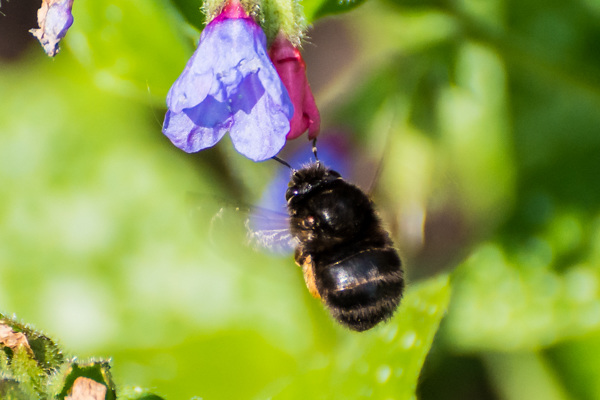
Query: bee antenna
[314, 150]
[279, 160]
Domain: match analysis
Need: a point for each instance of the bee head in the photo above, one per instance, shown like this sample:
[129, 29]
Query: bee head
[324, 209]
[308, 178]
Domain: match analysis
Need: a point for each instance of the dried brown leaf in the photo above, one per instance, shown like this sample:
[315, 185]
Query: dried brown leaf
[86, 389]
[12, 339]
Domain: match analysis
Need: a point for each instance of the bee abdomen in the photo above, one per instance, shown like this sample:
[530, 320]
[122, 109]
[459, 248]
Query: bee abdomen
[364, 289]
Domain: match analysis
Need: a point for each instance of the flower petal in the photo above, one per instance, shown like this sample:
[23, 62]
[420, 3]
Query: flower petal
[260, 134]
[209, 113]
[188, 136]
[190, 88]
[247, 94]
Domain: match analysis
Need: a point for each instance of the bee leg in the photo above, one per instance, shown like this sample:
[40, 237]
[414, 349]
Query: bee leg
[300, 255]
[305, 261]
[309, 277]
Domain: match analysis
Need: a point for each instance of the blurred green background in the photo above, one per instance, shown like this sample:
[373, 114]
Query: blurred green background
[480, 121]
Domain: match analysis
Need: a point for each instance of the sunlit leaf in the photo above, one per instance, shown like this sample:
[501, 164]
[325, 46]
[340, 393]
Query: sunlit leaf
[382, 363]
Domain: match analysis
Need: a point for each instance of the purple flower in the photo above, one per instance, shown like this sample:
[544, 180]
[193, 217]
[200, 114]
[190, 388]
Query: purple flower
[230, 85]
[54, 19]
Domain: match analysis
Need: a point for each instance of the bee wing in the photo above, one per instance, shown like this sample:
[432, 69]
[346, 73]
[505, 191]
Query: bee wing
[270, 230]
[266, 230]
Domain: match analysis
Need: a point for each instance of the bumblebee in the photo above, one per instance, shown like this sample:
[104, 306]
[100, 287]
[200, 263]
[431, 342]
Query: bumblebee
[348, 259]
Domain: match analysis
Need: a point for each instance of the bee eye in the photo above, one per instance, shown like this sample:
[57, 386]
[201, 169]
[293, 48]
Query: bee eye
[291, 192]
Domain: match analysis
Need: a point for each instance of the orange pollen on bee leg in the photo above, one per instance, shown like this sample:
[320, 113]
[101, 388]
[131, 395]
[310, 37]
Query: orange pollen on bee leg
[309, 277]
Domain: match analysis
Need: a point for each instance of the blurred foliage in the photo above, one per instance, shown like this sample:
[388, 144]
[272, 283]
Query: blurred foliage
[315, 9]
[486, 116]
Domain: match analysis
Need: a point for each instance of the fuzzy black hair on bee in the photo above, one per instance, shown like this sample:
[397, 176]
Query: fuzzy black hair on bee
[347, 258]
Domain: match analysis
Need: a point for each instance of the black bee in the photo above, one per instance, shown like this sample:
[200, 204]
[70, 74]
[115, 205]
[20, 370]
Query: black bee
[347, 258]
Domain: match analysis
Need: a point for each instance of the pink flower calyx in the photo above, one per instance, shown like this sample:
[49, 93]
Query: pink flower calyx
[292, 70]
[233, 10]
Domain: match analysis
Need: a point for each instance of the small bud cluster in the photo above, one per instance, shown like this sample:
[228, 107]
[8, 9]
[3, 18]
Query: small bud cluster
[32, 366]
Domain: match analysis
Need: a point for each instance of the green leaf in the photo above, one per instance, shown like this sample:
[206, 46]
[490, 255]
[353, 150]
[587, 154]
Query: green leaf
[525, 375]
[498, 289]
[576, 361]
[137, 393]
[25, 369]
[13, 390]
[384, 362]
[315, 9]
[192, 12]
[45, 352]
